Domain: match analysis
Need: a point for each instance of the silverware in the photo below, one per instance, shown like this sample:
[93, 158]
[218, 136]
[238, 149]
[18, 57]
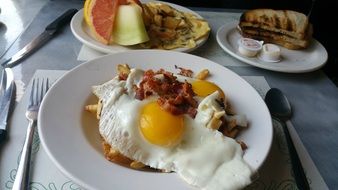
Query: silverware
[7, 97]
[39, 89]
[36, 43]
[280, 109]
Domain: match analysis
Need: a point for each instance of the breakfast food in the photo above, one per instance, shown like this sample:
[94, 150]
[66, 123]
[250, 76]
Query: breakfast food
[287, 28]
[152, 25]
[169, 28]
[174, 123]
[115, 21]
[129, 28]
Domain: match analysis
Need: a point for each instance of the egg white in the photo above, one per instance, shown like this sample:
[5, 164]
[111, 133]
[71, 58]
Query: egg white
[204, 157]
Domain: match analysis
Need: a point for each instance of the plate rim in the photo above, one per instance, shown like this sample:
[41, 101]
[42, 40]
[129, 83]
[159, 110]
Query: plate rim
[226, 28]
[77, 22]
[84, 183]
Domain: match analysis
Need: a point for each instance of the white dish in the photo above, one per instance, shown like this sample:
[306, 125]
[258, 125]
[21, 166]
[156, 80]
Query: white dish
[70, 135]
[292, 61]
[81, 31]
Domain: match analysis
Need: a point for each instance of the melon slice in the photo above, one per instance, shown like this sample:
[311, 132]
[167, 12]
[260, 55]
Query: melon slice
[129, 28]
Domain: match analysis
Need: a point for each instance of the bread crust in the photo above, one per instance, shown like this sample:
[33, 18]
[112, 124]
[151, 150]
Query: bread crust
[287, 28]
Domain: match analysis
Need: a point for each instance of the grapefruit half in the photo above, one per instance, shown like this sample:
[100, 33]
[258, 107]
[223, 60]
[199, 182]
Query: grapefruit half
[101, 17]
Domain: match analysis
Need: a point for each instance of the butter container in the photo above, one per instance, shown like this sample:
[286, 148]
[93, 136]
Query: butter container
[249, 47]
[270, 53]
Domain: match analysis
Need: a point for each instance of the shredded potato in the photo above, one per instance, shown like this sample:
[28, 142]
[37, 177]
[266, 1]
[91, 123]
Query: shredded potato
[202, 75]
[137, 165]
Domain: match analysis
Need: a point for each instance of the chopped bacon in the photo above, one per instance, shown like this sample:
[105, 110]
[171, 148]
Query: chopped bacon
[184, 72]
[123, 76]
[220, 103]
[243, 145]
[174, 96]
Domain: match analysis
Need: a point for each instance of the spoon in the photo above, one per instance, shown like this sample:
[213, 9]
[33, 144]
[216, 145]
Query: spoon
[280, 109]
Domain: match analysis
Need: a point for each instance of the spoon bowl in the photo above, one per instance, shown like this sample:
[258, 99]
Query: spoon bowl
[278, 104]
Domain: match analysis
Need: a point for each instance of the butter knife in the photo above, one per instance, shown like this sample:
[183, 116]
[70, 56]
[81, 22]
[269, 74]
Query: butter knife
[50, 31]
[7, 97]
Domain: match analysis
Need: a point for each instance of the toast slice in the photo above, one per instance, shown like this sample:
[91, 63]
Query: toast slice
[287, 22]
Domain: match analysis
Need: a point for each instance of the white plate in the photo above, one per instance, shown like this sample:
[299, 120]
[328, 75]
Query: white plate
[70, 135]
[81, 31]
[292, 61]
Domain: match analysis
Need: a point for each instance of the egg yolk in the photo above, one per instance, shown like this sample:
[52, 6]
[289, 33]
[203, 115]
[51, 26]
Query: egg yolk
[204, 88]
[160, 127]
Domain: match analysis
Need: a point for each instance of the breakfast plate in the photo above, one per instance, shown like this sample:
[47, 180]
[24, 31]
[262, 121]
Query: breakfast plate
[71, 138]
[82, 32]
[292, 61]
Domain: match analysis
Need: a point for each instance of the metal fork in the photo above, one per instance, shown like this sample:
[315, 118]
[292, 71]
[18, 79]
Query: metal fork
[38, 91]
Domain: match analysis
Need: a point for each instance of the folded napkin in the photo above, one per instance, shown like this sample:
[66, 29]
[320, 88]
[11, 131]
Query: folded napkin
[274, 174]
[86, 54]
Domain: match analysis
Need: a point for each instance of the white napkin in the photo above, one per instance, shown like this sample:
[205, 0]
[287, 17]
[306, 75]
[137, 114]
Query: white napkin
[86, 54]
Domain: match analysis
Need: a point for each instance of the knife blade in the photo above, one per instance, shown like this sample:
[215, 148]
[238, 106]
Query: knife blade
[6, 100]
[50, 31]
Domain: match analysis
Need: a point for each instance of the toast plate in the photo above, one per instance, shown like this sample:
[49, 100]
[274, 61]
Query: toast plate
[70, 135]
[292, 61]
[82, 32]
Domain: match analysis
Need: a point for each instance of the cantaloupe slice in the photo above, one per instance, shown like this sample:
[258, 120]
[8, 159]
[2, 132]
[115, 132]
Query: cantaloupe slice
[129, 28]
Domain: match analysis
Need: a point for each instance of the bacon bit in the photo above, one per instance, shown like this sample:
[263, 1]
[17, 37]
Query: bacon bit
[192, 112]
[123, 76]
[175, 97]
[123, 71]
[243, 145]
[185, 72]
[220, 103]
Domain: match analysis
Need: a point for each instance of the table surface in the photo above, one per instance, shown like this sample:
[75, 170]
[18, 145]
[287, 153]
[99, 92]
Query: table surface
[313, 96]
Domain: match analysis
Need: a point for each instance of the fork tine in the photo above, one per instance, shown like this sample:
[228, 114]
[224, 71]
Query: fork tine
[41, 91]
[44, 89]
[47, 86]
[37, 90]
[31, 99]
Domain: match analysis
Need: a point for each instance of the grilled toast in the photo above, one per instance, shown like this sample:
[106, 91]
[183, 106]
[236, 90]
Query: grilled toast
[288, 28]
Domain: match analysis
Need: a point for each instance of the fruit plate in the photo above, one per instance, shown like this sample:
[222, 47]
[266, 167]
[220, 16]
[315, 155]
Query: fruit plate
[81, 31]
[292, 61]
[70, 135]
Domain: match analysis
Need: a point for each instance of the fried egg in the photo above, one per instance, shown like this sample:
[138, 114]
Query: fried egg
[144, 132]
